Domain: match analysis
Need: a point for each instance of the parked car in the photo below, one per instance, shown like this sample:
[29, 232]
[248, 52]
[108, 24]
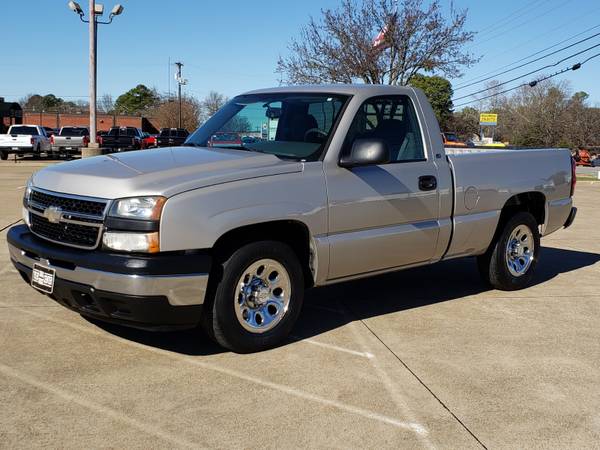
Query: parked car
[355, 182]
[70, 140]
[583, 157]
[122, 139]
[170, 137]
[249, 140]
[149, 140]
[451, 140]
[225, 139]
[22, 139]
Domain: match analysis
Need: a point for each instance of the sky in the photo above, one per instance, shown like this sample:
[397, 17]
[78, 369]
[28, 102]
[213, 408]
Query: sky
[233, 46]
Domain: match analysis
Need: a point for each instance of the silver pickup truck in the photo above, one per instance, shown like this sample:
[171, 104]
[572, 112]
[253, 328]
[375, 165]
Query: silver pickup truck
[344, 182]
[70, 140]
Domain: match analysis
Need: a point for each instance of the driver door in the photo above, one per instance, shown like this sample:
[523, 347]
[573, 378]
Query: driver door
[383, 216]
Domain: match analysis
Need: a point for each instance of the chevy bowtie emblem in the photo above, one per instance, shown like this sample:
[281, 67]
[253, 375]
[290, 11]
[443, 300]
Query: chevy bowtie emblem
[53, 214]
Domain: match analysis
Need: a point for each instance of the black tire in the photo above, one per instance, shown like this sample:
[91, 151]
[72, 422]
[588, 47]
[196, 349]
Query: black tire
[3, 155]
[219, 314]
[493, 266]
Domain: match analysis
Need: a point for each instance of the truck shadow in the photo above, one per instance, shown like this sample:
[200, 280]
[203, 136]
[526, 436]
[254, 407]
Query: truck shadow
[334, 306]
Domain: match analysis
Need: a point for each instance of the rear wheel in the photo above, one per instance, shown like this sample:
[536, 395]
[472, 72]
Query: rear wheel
[3, 155]
[256, 299]
[510, 262]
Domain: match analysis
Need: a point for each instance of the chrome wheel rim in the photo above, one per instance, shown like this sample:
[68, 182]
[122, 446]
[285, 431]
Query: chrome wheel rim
[262, 295]
[520, 250]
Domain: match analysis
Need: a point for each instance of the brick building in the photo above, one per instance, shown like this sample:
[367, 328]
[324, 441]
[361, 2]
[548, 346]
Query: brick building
[103, 121]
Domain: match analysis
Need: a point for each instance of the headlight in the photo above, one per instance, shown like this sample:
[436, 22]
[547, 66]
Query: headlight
[131, 242]
[27, 194]
[144, 208]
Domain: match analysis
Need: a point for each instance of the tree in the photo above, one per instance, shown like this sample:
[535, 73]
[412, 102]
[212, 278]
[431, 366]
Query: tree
[106, 104]
[465, 123]
[136, 100]
[167, 113]
[338, 47]
[212, 103]
[439, 93]
[237, 124]
[39, 102]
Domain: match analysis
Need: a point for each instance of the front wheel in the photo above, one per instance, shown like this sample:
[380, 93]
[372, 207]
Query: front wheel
[257, 298]
[510, 262]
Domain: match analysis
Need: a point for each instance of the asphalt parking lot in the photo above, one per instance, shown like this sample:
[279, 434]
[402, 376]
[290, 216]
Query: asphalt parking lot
[422, 358]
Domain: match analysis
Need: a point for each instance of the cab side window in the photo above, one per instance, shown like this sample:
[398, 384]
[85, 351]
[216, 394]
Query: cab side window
[393, 119]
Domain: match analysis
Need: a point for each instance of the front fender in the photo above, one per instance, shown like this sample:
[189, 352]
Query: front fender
[197, 218]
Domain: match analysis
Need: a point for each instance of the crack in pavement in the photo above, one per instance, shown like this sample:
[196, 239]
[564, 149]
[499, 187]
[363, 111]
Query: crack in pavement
[412, 372]
[10, 225]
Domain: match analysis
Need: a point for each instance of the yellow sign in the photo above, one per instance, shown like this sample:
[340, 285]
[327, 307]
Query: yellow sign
[488, 119]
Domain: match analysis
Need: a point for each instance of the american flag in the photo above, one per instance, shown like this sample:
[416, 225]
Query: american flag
[381, 42]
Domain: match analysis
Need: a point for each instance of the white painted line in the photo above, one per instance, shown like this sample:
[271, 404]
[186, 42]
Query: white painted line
[394, 391]
[69, 397]
[333, 347]
[417, 428]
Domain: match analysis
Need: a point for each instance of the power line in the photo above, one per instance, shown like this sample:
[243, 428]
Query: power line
[498, 23]
[522, 23]
[532, 83]
[527, 63]
[461, 85]
[529, 73]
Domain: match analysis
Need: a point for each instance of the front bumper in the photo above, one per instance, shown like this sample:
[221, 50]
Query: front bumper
[153, 290]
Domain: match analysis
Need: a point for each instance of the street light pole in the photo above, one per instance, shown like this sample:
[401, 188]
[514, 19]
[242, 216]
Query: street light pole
[95, 11]
[93, 28]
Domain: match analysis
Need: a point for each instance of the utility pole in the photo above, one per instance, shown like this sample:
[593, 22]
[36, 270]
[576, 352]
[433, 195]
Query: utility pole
[180, 82]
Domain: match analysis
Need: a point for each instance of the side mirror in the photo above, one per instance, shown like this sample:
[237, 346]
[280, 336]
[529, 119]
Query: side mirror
[366, 152]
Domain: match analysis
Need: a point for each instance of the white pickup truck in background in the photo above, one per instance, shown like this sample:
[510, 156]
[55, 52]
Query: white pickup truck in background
[23, 139]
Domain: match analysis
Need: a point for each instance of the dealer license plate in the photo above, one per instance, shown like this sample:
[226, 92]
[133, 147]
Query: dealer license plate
[42, 278]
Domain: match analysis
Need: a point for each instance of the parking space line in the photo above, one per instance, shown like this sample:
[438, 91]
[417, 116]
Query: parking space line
[414, 427]
[333, 347]
[95, 407]
[383, 376]
[438, 399]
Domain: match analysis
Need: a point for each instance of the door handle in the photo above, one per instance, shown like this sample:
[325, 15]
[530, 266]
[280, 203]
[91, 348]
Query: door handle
[427, 183]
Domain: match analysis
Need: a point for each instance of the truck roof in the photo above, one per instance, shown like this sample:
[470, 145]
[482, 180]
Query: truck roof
[347, 89]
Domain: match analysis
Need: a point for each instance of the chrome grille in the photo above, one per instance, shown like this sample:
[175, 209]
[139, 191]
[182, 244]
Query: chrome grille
[68, 204]
[67, 219]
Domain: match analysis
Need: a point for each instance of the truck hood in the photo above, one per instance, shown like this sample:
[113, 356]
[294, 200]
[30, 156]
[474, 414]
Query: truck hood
[166, 171]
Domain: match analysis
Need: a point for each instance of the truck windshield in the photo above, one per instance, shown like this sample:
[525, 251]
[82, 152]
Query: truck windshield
[74, 132]
[289, 125]
[31, 131]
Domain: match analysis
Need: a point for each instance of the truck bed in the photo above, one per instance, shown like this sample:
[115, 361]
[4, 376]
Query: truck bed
[485, 179]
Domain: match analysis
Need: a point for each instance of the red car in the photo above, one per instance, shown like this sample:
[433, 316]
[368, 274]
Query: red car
[149, 141]
[225, 139]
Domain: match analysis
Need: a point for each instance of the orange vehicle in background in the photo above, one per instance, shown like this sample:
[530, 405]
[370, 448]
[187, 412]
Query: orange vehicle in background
[583, 157]
[451, 140]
